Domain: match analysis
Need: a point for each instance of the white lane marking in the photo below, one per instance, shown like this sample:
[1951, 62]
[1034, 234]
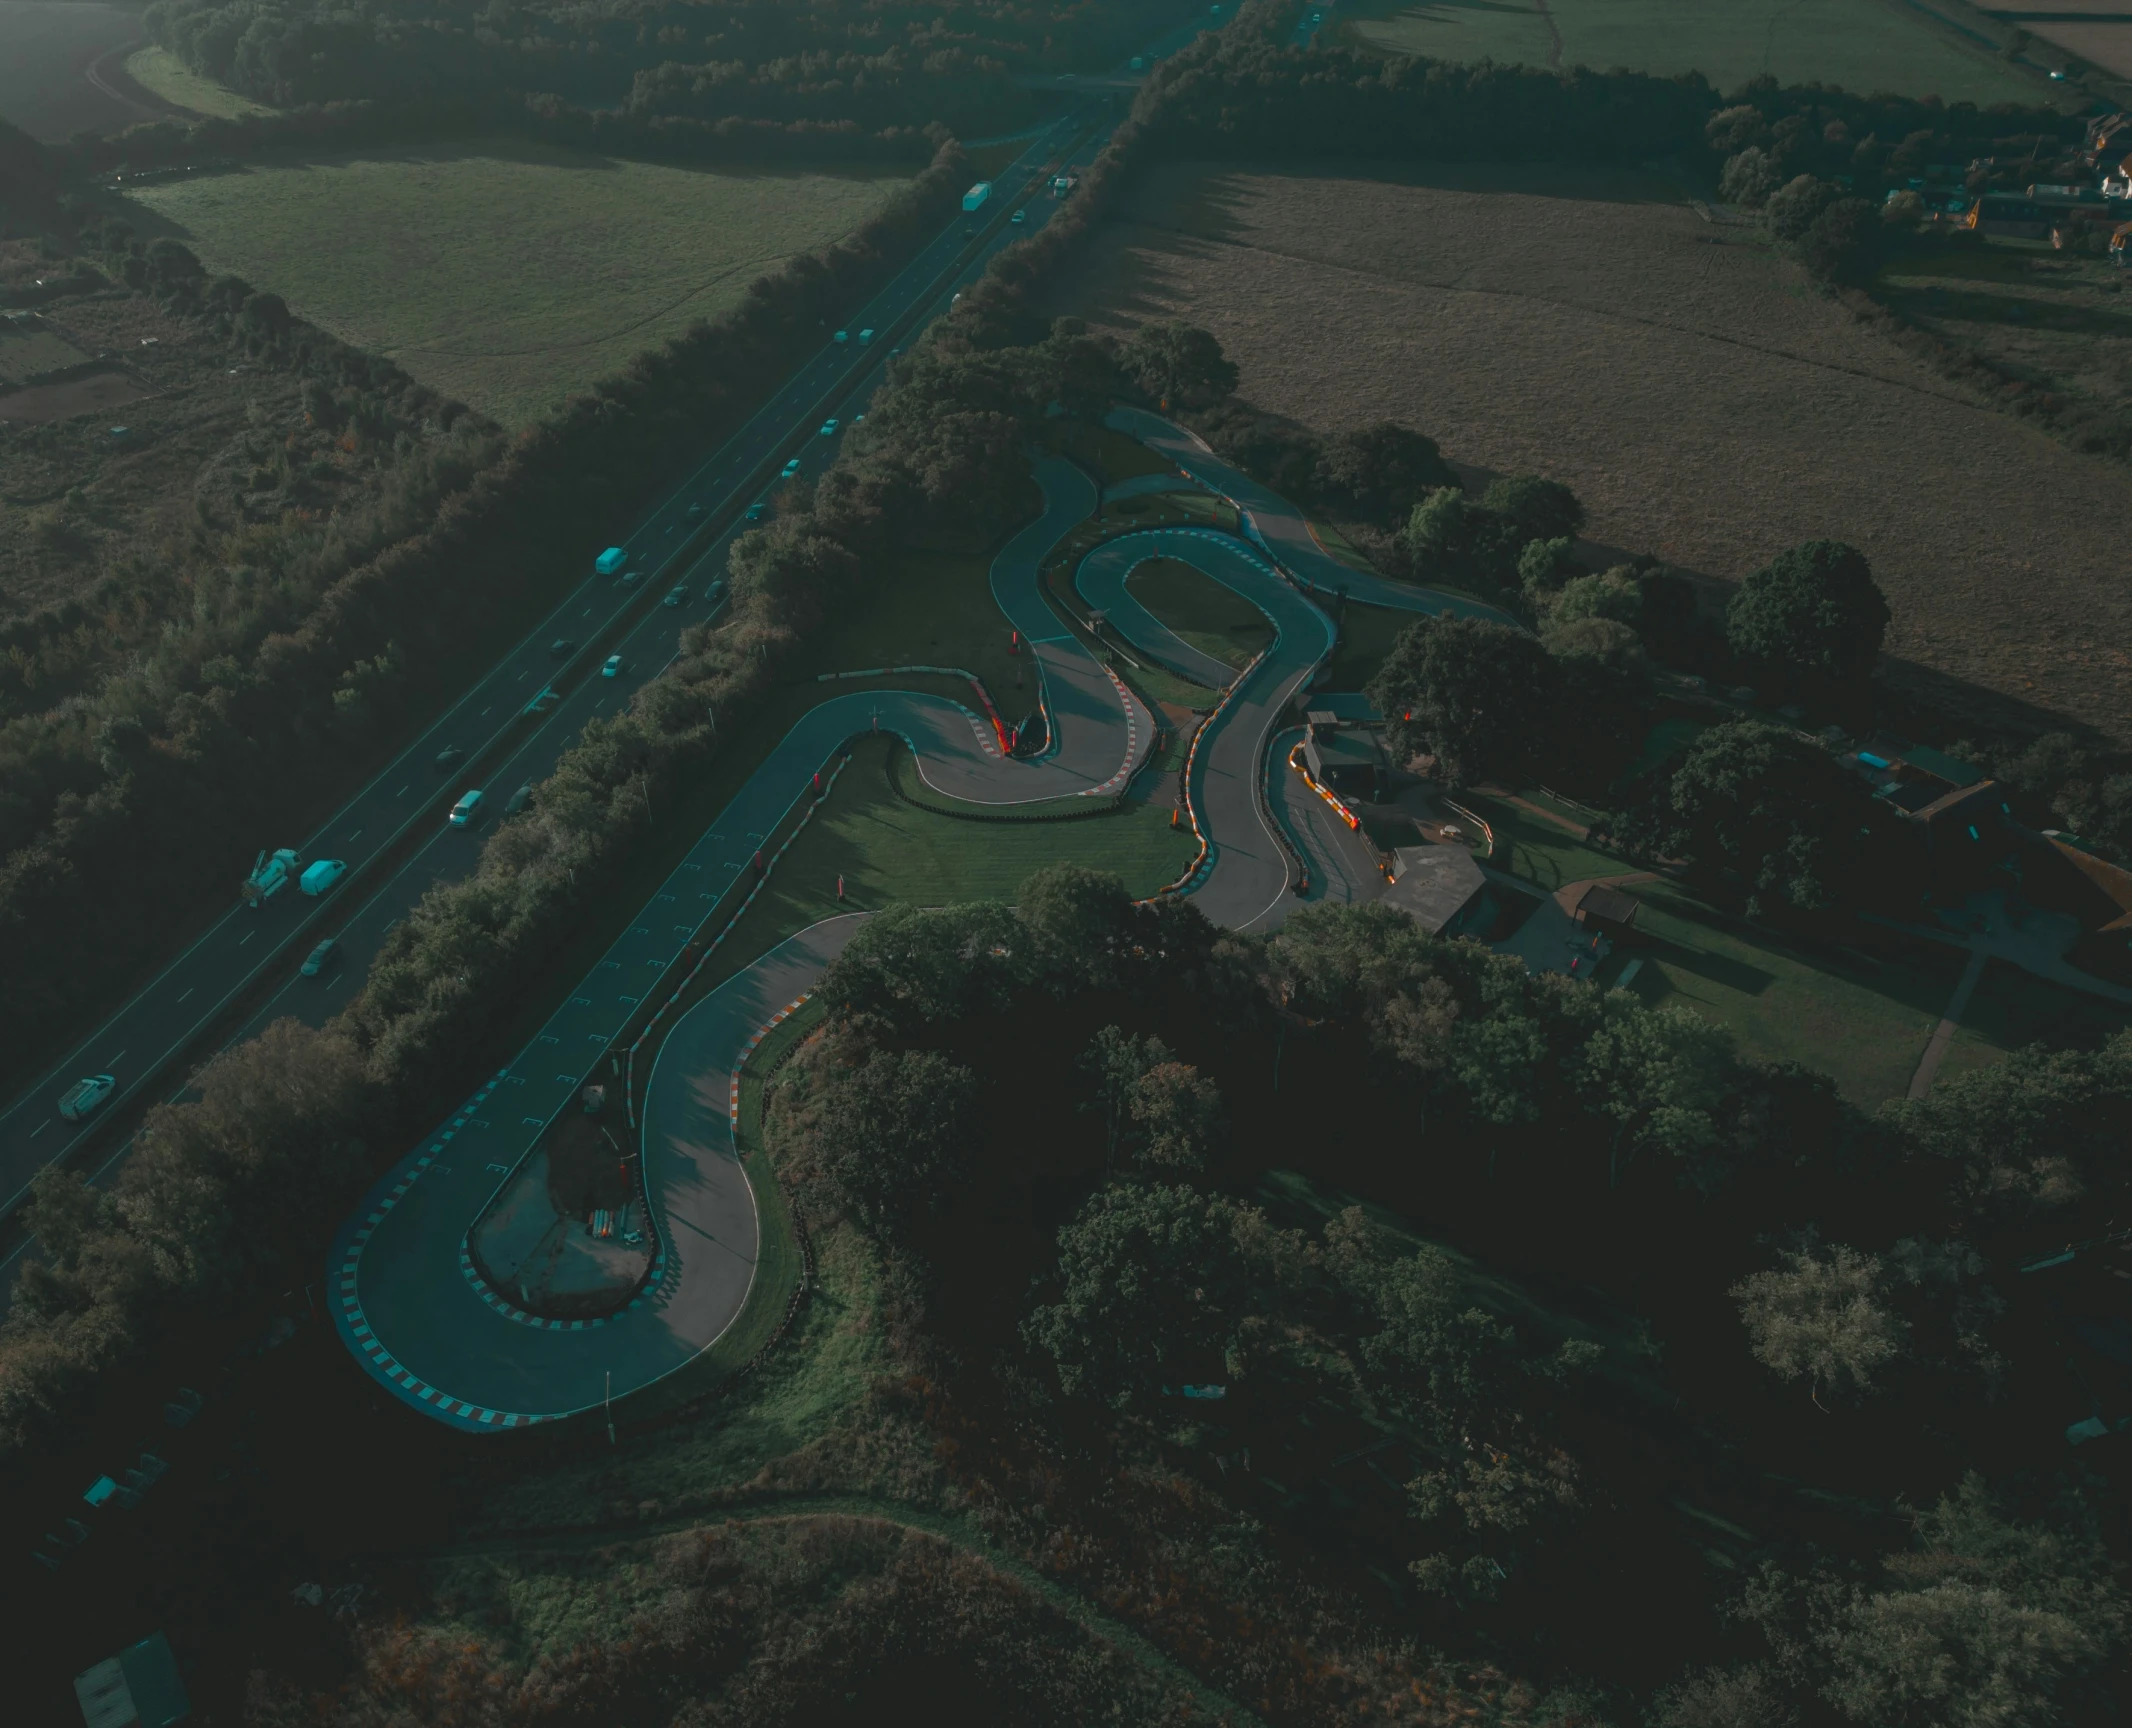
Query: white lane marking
[40, 1128]
[113, 1061]
[402, 793]
[357, 835]
[246, 937]
[189, 989]
[486, 712]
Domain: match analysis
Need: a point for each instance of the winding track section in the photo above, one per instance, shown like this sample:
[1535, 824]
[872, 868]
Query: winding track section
[405, 1295]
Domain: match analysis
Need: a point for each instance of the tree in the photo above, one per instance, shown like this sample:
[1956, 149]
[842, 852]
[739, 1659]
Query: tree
[1793, 207]
[1749, 1697]
[1178, 363]
[1657, 1075]
[1114, 1062]
[1816, 613]
[1984, 1622]
[1083, 921]
[1531, 508]
[1474, 694]
[884, 1133]
[1778, 812]
[1176, 1112]
[1749, 177]
[1382, 470]
[1155, 1284]
[1451, 539]
[1822, 1320]
[1845, 243]
[1545, 568]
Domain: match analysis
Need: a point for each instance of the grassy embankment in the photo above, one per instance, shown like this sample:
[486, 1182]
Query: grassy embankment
[508, 275]
[1860, 47]
[162, 73]
[1198, 610]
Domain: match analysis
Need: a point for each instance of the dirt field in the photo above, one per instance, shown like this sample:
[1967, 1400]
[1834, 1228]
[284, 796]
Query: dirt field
[1858, 44]
[1702, 398]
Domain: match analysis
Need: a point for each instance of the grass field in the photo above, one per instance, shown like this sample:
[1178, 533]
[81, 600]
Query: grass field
[162, 73]
[2012, 1008]
[1704, 401]
[511, 275]
[1861, 1014]
[1536, 849]
[1366, 637]
[1216, 620]
[1862, 45]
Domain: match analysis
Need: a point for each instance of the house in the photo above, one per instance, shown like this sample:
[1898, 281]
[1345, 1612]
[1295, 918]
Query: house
[1345, 760]
[137, 1688]
[1442, 889]
[1606, 911]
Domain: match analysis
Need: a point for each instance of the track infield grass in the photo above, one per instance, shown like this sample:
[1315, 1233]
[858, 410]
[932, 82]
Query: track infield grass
[1214, 619]
[508, 275]
[162, 73]
[1861, 45]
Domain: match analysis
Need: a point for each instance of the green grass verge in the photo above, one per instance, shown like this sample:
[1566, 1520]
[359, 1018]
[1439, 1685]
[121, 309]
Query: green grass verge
[1537, 849]
[1367, 634]
[889, 851]
[1853, 43]
[1112, 455]
[1665, 741]
[2012, 1009]
[162, 73]
[1215, 619]
[508, 275]
[1861, 1013]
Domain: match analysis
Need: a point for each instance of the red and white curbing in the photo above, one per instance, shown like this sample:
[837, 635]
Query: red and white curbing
[761, 1032]
[1295, 761]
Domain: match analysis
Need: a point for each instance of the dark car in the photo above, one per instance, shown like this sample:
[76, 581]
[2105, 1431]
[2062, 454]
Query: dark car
[447, 756]
[559, 647]
[546, 702]
[754, 512]
[519, 799]
[321, 957]
[694, 511]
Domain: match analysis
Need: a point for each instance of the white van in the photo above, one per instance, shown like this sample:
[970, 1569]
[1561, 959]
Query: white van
[463, 812]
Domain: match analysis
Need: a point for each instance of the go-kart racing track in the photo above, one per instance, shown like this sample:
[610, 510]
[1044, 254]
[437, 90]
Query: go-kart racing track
[405, 1293]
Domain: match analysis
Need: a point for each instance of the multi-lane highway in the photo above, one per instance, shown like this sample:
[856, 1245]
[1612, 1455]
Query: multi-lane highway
[502, 746]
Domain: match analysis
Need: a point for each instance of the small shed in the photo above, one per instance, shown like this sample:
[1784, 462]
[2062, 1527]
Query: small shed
[1606, 910]
[137, 1688]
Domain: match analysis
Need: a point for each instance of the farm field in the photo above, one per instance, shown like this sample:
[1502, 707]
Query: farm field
[507, 276]
[1859, 44]
[1706, 403]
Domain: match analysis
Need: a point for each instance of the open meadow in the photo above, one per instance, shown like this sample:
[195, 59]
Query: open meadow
[1861, 45]
[507, 275]
[1704, 400]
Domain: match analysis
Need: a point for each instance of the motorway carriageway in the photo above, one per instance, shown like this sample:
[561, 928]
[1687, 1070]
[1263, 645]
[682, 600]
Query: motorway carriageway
[402, 1287]
[502, 750]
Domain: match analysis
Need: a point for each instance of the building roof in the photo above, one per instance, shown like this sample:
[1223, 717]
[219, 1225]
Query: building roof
[1948, 768]
[1978, 804]
[1341, 748]
[1610, 904]
[1433, 884]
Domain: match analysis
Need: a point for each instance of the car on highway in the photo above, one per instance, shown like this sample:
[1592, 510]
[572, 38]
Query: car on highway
[519, 799]
[829, 428]
[561, 647]
[676, 596]
[546, 702]
[792, 467]
[447, 756]
[755, 512]
[1019, 216]
[85, 1095]
[464, 812]
[320, 957]
[694, 511]
[612, 668]
[714, 591]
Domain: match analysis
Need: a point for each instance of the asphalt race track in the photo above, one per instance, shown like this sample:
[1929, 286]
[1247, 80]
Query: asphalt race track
[404, 1292]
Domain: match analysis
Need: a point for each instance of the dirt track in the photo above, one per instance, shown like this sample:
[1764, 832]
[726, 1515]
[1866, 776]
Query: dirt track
[1701, 397]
